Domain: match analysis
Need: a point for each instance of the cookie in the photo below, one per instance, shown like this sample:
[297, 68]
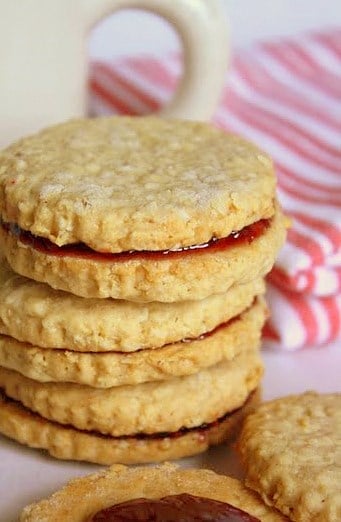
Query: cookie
[176, 277]
[83, 497]
[35, 313]
[65, 442]
[145, 408]
[104, 370]
[291, 449]
[119, 184]
[138, 209]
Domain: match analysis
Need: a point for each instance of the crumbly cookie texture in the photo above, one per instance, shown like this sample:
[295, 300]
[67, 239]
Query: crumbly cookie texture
[124, 183]
[120, 484]
[186, 277]
[35, 313]
[291, 449]
[65, 442]
[151, 407]
[104, 370]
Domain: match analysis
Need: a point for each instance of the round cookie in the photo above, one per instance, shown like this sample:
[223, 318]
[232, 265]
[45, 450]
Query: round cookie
[77, 195]
[151, 407]
[81, 498]
[124, 183]
[190, 275]
[68, 443]
[104, 370]
[34, 313]
[291, 450]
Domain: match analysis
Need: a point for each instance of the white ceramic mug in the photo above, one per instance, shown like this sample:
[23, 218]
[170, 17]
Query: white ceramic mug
[43, 62]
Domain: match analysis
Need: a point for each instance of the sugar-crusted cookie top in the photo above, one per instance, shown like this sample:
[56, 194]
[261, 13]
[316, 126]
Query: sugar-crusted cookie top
[124, 183]
[120, 484]
[291, 448]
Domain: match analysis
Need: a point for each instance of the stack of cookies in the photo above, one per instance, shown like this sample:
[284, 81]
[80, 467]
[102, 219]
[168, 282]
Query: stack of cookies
[131, 308]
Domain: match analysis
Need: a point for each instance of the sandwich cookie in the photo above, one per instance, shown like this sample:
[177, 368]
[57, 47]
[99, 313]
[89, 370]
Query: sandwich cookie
[104, 370]
[152, 407]
[34, 313]
[141, 209]
[68, 443]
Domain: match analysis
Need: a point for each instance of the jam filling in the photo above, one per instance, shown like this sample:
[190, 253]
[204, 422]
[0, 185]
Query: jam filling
[173, 508]
[45, 246]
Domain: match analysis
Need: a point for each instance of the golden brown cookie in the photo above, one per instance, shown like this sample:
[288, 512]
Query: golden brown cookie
[83, 497]
[193, 274]
[141, 209]
[291, 450]
[145, 408]
[65, 442]
[104, 370]
[122, 183]
[35, 313]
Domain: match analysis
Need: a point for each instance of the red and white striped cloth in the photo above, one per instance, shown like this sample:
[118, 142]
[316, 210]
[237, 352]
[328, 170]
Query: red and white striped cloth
[284, 95]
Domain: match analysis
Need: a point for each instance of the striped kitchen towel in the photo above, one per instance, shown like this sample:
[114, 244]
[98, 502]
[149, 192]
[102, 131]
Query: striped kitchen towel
[284, 95]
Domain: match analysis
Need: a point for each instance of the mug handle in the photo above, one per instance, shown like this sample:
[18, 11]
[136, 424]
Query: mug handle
[202, 28]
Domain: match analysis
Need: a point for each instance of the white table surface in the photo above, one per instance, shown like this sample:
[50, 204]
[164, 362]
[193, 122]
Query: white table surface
[27, 475]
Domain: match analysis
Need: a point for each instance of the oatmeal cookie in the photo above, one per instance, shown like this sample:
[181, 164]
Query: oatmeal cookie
[144, 408]
[138, 209]
[104, 370]
[291, 449]
[193, 274]
[123, 183]
[34, 313]
[68, 443]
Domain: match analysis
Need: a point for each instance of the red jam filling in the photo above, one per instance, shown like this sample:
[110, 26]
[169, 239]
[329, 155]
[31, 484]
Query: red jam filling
[173, 508]
[246, 235]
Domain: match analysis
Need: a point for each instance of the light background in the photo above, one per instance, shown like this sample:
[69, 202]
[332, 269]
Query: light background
[132, 32]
